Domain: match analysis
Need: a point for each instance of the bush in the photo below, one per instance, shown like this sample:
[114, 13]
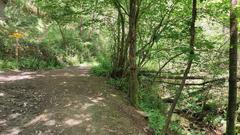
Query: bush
[36, 64]
[8, 65]
[150, 103]
[29, 63]
[120, 84]
[104, 68]
[156, 121]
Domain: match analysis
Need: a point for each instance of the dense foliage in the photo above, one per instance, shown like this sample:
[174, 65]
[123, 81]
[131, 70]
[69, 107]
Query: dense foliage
[142, 45]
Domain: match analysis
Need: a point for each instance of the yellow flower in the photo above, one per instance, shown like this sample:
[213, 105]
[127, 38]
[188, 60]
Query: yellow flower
[17, 35]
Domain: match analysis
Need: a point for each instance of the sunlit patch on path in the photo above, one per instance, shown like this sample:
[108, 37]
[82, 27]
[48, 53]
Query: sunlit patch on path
[64, 101]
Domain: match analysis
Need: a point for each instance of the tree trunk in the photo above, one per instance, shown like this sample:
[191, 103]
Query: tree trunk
[63, 37]
[132, 37]
[17, 50]
[232, 95]
[187, 70]
[121, 53]
[115, 72]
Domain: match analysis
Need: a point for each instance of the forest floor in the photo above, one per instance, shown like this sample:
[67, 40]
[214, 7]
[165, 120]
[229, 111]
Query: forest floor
[64, 102]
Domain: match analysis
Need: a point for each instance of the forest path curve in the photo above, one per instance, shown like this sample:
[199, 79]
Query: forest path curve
[64, 102]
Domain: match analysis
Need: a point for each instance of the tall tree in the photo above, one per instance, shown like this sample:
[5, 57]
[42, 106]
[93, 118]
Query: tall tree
[119, 64]
[232, 94]
[132, 37]
[187, 70]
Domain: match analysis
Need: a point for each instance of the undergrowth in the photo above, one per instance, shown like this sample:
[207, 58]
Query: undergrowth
[149, 100]
[104, 68]
[29, 63]
[150, 103]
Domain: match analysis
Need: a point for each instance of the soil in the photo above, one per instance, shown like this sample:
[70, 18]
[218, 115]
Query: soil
[65, 102]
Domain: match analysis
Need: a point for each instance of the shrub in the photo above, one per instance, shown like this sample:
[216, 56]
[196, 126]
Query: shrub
[120, 84]
[30, 63]
[104, 68]
[150, 102]
[8, 65]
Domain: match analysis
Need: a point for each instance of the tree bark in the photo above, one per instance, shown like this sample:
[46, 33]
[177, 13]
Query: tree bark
[132, 37]
[232, 93]
[120, 60]
[187, 70]
[64, 42]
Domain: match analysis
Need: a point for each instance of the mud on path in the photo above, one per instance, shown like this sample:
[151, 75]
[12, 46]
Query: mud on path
[64, 102]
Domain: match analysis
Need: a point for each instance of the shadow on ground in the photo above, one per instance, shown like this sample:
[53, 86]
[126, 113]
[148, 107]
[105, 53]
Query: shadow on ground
[64, 102]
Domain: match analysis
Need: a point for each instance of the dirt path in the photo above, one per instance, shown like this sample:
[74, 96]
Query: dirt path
[64, 102]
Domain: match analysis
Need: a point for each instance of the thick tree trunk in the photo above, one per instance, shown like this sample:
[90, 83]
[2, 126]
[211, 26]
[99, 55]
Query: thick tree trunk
[232, 95]
[132, 37]
[187, 70]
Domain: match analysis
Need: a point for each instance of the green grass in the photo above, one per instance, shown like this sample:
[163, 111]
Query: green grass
[104, 68]
[29, 63]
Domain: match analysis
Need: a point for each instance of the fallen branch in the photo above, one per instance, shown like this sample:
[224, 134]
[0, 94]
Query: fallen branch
[196, 84]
